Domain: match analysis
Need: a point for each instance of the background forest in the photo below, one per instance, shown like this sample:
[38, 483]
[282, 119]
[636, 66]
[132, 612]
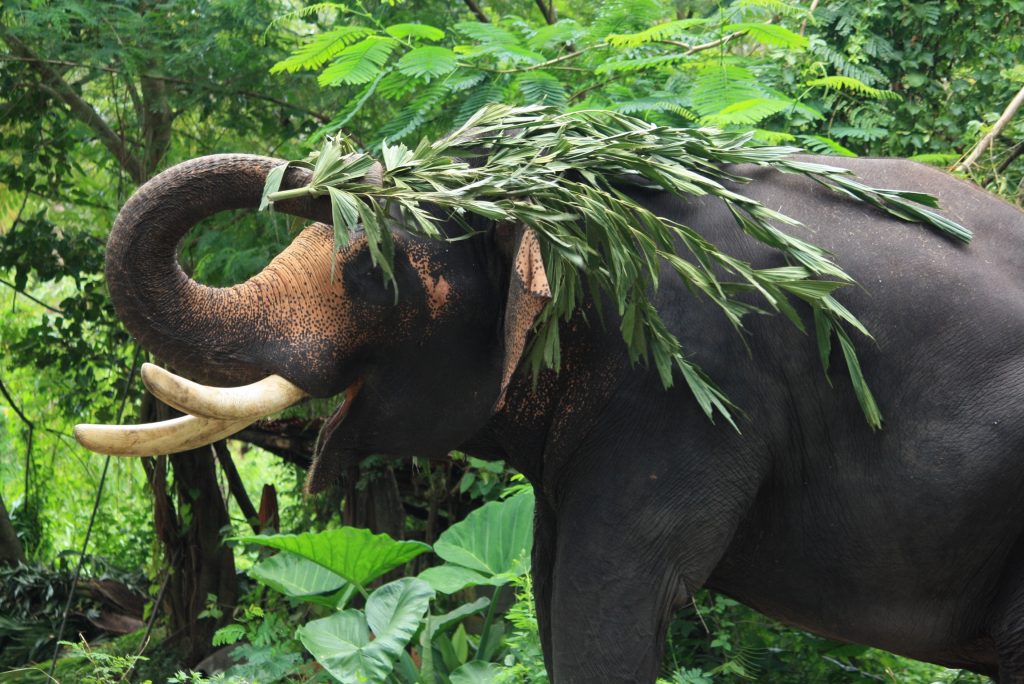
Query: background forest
[148, 569]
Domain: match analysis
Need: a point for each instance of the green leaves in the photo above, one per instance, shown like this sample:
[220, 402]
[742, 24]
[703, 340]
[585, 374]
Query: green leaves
[491, 546]
[341, 643]
[355, 554]
[596, 239]
[427, 62]
[358, 63]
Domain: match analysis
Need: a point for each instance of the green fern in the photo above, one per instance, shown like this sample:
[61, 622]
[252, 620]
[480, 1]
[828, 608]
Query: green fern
[358, 63]
[421, 31]
[937, 158]
[304, 12]
[860, 133]
[563, 32]
[639, 63]
[851, 84]
[487, 34]
[491, 92]
[322, 48]
[427, 62]
[823, 145]
[670, 29]
[771, 35]
[748, 112]
[659, 103]
[540, 87]
[414, 115]
[718, 86]
[781, 8]
[862, 72]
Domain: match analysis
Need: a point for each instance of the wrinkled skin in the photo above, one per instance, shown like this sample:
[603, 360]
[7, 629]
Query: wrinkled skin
[908, 538]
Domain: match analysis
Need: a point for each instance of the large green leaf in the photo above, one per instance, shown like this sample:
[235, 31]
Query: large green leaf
[358, 555]
[475, 672]
[449, 578]
[340, 643]
[491, 546]
[295, 576]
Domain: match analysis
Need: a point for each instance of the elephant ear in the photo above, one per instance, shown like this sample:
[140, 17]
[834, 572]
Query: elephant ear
[528, 293]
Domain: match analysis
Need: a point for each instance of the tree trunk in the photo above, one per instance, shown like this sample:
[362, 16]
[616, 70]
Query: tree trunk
[10, 546]
[189, 527]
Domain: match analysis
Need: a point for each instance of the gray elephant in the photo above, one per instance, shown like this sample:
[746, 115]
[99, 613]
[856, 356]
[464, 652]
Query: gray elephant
[908, 538]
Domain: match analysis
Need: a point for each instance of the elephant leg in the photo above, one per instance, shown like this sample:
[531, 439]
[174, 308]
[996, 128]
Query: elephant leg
[542, 571]
[1008, 627]
[609, 612]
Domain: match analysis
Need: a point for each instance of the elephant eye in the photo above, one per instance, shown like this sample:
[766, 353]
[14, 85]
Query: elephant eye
[365, 281]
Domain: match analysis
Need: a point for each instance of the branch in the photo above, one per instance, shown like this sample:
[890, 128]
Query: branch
[26, 295]
[1015, 152]
[550, 15]
[814, 6]
[319, 116]
[55, 84]
[475, 9]
[985, 142]
[236, 486]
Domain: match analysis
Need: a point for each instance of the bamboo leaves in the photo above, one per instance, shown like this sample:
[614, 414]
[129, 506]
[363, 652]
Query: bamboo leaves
[564, 175]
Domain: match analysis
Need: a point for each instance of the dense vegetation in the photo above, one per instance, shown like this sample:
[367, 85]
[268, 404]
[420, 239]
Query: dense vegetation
[96, 97]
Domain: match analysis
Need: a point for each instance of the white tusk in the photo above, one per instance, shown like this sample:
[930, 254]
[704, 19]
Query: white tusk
[269, 395]
[151, 439]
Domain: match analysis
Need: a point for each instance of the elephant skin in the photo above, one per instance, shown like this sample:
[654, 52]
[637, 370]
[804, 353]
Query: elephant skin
[907, 538]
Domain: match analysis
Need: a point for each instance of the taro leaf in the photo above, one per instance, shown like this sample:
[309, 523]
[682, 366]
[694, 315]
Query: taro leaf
[298, 577]
[475, 672]
[491, 546]
[438, 624]
[340, 643]
[449, 578]
[358, 555]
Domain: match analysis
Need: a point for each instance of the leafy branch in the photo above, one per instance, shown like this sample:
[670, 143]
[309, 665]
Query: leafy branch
[561, 174]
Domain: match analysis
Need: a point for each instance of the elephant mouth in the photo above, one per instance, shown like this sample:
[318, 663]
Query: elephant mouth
[324, 441]
[213, 413]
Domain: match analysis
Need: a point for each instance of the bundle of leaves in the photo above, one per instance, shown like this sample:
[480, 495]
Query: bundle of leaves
[563, 175]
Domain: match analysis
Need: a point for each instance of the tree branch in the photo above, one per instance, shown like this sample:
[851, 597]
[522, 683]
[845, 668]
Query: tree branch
[236, 486]
[985, 142]
[26, 295]
[54, 83]
[319, 116]
[476, 9]
[550, 15]
[814, 6]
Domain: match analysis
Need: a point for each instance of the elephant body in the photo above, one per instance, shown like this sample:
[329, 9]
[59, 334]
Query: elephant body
[907, 538]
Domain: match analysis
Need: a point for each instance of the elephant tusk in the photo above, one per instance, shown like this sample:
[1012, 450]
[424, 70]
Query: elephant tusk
[151, 439]
[269, 395]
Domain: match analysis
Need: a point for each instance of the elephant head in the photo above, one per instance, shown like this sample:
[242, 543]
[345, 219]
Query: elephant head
[429, 363]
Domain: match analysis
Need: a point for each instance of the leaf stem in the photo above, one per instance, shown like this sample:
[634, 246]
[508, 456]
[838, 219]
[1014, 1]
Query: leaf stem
[481, 654]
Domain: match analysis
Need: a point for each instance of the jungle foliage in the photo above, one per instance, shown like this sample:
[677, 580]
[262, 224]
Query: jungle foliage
[96, 97]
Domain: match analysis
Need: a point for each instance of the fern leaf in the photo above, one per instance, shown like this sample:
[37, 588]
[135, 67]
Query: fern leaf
[665, 31]
[772, 137]
[936, 158]
[716, 87]
[772, 35]
[489, 34]
[484, 94]
[854, 85]
[322, 48]
[779, 7]
[415, 114]
[427, 62]
[304, 12]
[823, 145]
[421, 31]
[748, 112]
[540, 87]
[358, 63]
[865, 133]
[561, 33]
[662, 103]
[639, 63]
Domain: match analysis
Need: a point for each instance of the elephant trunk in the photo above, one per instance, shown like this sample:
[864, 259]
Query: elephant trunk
[218, 334]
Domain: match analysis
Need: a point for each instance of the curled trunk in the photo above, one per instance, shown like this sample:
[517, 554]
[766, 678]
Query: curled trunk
[233, 334]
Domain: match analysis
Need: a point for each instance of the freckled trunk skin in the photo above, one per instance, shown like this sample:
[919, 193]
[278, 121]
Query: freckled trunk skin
[218, 334]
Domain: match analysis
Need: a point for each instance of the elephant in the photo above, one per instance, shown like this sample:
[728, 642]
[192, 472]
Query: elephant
[908, 538]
